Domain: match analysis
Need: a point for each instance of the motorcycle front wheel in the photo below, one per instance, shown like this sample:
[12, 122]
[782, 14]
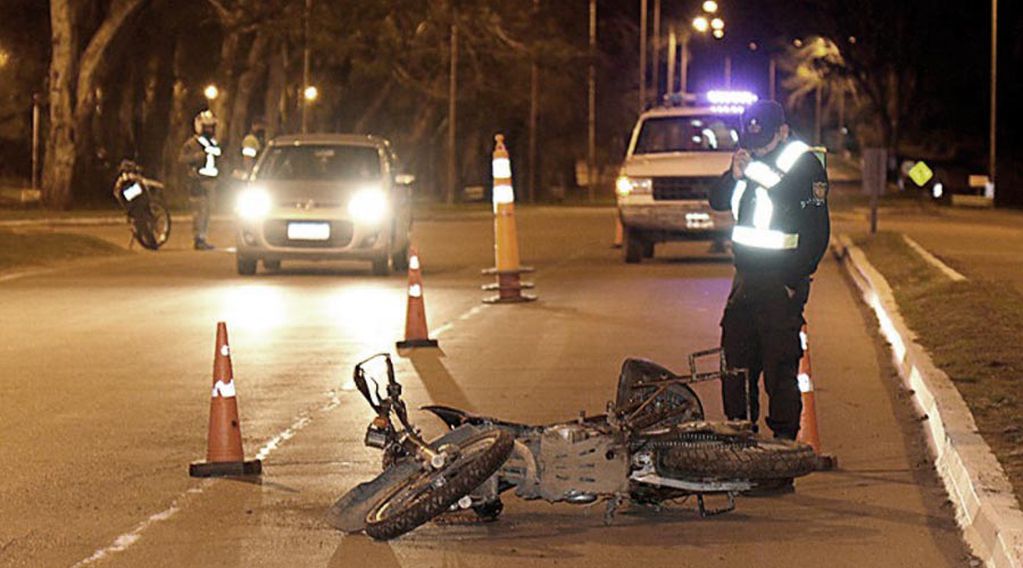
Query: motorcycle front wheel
[160, 224]
[422, 497]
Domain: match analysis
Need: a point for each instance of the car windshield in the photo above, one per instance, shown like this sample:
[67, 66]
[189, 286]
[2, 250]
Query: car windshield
[320, 163]
[711, 133]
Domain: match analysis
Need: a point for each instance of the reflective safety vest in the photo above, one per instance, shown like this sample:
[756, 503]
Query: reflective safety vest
[762, 177]
[209, 169]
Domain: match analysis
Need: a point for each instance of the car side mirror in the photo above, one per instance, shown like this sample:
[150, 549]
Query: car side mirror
[404, 179]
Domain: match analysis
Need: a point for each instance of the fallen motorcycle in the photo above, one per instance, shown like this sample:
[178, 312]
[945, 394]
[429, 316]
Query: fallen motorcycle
[653, 445]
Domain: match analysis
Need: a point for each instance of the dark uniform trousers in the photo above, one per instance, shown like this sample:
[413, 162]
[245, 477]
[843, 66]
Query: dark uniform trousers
[760, 333]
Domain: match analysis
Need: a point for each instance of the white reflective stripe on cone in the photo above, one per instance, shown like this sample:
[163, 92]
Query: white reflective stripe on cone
[502, 168]
[415, 291]
[805, 383]
[413, 263]
[763, 238]
[790, 154]
[762, 174]
[803, 340]
[764, 211]
[250, 152]
[503, 194]
[740, 188]
[225, 350]
[224, 390]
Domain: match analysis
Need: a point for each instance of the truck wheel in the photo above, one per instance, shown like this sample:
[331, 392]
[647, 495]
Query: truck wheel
[633, 249]
[246, 266]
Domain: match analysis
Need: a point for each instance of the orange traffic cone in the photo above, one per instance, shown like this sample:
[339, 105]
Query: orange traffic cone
[619, 232]
[416, 332]
[808, 432]
[509, 283]
[224, 454]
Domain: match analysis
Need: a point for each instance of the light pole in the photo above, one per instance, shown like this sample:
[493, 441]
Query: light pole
[306, 56]
[642, 54]
[591, 142]
[36, 103]
[993, 158]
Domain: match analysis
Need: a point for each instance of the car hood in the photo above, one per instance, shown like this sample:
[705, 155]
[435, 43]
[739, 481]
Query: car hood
[678, 164]
[322, 193]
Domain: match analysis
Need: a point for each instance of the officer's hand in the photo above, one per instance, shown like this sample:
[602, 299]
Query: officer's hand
[740, 160]
[213, 151]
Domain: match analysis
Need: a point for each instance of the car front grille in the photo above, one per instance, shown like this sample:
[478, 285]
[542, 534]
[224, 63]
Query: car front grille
[275, 231]
[307, 204]
[681, 188]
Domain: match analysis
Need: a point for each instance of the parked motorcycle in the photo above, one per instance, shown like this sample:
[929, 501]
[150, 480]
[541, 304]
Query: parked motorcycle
[141, 199]
[653, 445]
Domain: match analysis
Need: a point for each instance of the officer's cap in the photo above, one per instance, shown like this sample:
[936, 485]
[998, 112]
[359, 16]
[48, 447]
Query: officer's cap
[760, 122]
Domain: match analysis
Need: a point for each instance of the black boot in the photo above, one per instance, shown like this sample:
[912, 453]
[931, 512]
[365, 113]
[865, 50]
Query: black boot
[202, 245]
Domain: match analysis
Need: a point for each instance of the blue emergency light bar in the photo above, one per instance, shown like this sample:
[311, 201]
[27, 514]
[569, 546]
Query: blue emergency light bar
[730, 98]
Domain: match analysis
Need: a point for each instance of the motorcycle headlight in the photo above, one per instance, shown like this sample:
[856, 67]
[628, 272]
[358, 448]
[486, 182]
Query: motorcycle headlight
[625, 185]
[253, 204]
[368, 205]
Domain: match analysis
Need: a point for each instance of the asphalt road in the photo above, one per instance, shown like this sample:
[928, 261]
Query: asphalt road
[104, 385]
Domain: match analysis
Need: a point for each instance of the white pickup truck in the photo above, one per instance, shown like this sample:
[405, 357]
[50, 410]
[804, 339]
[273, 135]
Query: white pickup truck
[676, 154]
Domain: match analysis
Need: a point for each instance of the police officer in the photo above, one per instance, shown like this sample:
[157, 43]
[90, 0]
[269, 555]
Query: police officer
[200, 156]
[777, 191]
[252, 144]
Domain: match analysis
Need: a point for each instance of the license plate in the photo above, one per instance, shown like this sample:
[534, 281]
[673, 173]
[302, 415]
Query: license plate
[309, 231]
[133, 191]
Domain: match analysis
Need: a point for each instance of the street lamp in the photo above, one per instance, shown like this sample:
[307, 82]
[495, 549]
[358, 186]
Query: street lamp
[211, 92]
[710, 6]
[701, 24]
[311, 93]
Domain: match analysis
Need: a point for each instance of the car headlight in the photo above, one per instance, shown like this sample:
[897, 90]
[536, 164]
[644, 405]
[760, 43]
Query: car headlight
[368, 205]
[253, 204]
[626, 185]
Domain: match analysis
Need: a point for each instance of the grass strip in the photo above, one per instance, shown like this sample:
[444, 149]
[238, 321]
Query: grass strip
[973, 331]
[37, 248]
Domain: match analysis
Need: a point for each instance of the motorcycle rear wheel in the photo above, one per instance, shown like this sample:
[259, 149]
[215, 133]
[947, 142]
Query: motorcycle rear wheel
[422, 497]
[753, 460]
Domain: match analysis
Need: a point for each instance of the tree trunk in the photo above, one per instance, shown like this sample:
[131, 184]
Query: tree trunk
[248, 79]
[277, 81]
[60, 142]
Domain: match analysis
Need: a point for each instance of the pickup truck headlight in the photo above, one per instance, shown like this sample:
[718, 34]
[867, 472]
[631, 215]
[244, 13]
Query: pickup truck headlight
[368, 205]
[626, 185]
[253, 204]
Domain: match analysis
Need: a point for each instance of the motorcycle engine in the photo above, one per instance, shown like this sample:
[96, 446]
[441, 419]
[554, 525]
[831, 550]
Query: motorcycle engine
[578, 463]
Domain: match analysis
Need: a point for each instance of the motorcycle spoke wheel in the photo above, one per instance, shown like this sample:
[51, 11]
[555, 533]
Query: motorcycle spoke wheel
[424, 496]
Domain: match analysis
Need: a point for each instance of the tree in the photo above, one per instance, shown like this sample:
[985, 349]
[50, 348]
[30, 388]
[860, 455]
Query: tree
[73, 82]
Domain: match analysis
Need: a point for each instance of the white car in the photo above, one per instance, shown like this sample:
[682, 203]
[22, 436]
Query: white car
[676, 154]
[325, 197]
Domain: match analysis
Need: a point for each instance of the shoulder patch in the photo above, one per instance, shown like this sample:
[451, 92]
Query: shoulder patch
[820, 190]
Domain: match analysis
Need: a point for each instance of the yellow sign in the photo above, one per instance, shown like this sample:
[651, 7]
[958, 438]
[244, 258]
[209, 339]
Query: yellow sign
[921, 174]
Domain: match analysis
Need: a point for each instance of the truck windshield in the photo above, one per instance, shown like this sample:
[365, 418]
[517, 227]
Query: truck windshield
[711, 133]
[320, 163]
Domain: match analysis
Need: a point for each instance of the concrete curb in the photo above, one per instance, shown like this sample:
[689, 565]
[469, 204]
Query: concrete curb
[986, 508]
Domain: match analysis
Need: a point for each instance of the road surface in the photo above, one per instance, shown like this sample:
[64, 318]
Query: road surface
[104, 385]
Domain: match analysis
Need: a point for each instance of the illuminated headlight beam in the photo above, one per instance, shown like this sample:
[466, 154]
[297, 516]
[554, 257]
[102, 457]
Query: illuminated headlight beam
[368, 205]
[253, 204]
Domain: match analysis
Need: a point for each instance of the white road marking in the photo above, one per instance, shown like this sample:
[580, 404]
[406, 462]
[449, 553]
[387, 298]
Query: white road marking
[126, 540]
[933, 260]
[305, 418]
